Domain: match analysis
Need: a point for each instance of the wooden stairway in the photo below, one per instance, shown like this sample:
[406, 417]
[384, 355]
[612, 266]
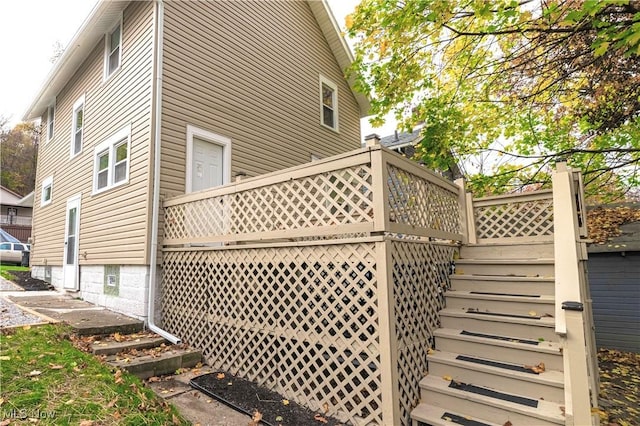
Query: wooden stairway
[497, 359]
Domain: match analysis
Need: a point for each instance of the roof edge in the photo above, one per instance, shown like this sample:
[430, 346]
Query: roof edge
[331, 30]
[73, 56]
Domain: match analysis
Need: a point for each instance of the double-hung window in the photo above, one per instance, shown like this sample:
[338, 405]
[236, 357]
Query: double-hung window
[47, 191]
[113, 50]
[111, 167]
[77, 127]
[51, 116]
[328, 103]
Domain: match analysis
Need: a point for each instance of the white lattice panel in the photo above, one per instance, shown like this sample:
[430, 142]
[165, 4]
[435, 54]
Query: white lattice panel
[420, 276]
[515, 219]
[416, 201]
[333, 198]
[301, 320]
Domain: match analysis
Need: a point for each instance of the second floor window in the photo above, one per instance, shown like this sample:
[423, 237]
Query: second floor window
[51, 115]
[328, 103]
[77, 127]
[113, 48]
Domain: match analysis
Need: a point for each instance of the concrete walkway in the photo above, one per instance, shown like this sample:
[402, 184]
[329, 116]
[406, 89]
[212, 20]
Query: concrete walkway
[85, 318]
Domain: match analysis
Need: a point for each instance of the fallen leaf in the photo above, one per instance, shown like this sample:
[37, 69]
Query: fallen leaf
[285, 401]
[56, 366]
[1, 401]
[176, 421]
[320, 419]
[447, 419]
[220, 376]
[112, 403]
[5, 358]
[447, 378]
[153, 379]
[35, 373]
[532, 313]
[5, 422]
[430, 351]
[118, 337]
[86, 423]
[325, 407]
[26, 327]
[279, 419]
[118, 377]
[507, 423]
[256, 418]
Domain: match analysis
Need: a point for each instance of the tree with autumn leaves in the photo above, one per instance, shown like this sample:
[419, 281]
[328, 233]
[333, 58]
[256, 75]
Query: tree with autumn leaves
[18, 155]
[506, 88]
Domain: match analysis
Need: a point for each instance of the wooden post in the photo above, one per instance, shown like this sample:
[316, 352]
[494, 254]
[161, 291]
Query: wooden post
[462, 202]
[570, 325]
[471, 219]
[380, 188]
[388, 339]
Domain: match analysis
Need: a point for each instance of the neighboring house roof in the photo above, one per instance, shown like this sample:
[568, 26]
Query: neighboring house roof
[106, 12]
[27, 200]
[8, 197]
[628, 233]
[400, 140]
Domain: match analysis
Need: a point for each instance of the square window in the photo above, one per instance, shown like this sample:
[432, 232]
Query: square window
[113, 49]
[328, 103]
[47, 191]
[112, 161]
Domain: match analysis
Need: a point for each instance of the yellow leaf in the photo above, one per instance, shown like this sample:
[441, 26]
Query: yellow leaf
[26, 327]
[1, 401]
[447, 378]
[348, 21]
[532, 313]
[5, 358]
[285, 401]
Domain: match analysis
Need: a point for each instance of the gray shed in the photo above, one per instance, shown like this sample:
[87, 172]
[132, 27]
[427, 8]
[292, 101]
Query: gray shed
[614, 278]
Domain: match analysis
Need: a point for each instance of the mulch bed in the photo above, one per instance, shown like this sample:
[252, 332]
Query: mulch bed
[24, 280]
[264, 406]
[619, 387]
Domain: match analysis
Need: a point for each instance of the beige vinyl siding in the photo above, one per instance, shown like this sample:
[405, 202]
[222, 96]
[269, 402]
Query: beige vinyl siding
[113, 224]
[249, 71]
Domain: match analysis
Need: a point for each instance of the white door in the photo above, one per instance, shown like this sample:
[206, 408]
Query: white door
[207, 165]
[71, 234]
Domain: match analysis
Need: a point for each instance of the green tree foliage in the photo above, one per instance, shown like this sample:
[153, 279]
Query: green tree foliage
[18, 151]
[507, 87]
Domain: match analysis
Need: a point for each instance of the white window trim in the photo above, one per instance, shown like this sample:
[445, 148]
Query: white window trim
[45, 183]
[223, 141]
[331, 84]
[77, 104]
[109, 145]
[51, 117]
[105, 74]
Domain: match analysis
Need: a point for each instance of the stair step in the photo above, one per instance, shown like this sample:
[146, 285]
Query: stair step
[111, 348]
[525, 327]
[506, 267]
[437, 416]
[166, 363]
[505, 377]
[501, 348]
[518, 304]
[492, 406]
[539, 250]
[496, 284]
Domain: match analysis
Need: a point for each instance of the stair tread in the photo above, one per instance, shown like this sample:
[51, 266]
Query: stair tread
[500, 244]
[434, 416]
[546, 410]
[549, 377]
[501, 278]
[536, 261]
[144, 359]
[541, 322]
[109, 348]
[547, 347]
[464, 294]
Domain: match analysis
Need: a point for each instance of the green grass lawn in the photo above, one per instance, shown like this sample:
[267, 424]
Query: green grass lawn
[44, 377]
[5, 270]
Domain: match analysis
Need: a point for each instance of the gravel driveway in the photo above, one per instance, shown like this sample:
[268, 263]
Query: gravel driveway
[11, 315]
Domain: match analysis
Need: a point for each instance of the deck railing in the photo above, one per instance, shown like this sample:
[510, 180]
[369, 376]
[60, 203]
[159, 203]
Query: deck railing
[368, 190]
[322, 281]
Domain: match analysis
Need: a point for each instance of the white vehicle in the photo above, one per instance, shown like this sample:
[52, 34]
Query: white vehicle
[12, 252]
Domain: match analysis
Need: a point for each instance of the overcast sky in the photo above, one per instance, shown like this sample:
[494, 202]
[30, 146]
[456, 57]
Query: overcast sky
[30, 29]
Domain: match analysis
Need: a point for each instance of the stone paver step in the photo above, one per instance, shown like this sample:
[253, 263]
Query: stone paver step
[111, 348]
[167, 362]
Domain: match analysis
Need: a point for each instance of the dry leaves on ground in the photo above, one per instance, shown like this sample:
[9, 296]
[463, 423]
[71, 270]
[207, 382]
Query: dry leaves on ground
[604, 223]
